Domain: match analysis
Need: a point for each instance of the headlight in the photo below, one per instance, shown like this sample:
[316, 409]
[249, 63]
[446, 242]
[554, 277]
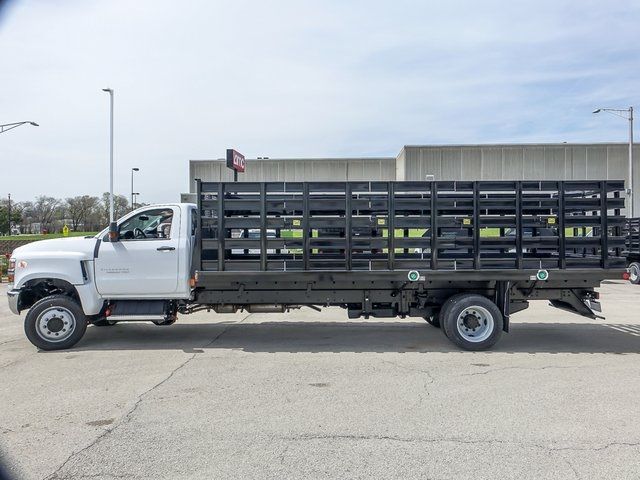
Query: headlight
[11, 272]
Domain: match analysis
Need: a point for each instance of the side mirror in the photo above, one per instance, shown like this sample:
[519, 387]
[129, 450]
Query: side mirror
[114, 233]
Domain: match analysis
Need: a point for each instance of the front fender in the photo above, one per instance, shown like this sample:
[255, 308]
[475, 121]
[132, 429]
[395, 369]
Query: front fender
[67, 268]
[90, 300]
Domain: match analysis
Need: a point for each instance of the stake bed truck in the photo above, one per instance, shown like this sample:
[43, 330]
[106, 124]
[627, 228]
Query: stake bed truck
[463, 255]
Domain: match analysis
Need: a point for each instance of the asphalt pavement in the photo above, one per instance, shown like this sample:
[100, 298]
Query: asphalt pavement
[315, 395]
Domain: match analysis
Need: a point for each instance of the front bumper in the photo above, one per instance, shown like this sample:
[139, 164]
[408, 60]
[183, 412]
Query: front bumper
[12, 296]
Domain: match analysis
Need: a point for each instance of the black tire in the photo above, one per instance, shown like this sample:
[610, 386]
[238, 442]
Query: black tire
[434, 321]
[445, 308]
[104, 323]
[61, 309]
[634, 273]
[485, 321]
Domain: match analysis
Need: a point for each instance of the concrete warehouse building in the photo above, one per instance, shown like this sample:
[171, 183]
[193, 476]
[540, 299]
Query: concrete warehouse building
[557, 161]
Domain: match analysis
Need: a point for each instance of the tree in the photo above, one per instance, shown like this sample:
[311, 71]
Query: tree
[80, 211]
[44, 210]
[120, 207]
[27, 218]
[16, 214]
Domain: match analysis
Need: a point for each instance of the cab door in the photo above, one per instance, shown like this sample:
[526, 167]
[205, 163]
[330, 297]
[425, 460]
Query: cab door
[144, 262]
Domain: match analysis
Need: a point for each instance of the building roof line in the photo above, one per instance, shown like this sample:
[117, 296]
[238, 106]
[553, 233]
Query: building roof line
[342, 159]
[476, 145]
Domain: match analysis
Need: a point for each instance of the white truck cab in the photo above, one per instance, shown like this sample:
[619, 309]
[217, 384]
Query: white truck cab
[143, 272]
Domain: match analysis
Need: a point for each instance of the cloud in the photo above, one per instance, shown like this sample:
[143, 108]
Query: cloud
[297, 79]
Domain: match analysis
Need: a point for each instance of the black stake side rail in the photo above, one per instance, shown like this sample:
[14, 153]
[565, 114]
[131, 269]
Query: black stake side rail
[397, 226]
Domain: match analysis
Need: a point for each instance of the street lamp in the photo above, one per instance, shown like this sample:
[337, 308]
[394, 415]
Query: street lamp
[111, 219]
[136, 195]
[627, 114]
[134, 169]
[9, 211]
[10, 126]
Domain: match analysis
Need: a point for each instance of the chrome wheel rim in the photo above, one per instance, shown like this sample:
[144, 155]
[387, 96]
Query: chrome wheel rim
[475, 324]
[55, 324]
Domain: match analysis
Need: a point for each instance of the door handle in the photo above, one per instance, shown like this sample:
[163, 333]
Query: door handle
[165, 249]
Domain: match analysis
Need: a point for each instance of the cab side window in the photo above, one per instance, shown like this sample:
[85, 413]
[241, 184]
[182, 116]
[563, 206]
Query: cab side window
[148, 225]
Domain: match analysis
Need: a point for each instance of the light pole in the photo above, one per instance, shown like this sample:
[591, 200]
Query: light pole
[134, 169]
[9, 211]
[136, 195]
[110, 91]
[627, 114]
[10, 126]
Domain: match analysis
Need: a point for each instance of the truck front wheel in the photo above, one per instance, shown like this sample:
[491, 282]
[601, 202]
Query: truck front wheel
[471, 321]
[55, 323]
[634, 273]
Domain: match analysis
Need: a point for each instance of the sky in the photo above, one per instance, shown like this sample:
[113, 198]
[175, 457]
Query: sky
[296, 79]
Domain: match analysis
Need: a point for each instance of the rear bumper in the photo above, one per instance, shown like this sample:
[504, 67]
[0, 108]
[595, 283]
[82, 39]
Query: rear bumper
[12, 296]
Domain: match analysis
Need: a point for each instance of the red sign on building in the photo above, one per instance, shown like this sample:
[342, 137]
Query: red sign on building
[235, 160]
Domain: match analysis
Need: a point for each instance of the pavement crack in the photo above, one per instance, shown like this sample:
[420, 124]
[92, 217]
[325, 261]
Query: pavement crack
[608, 445]
[5, 365]
[283, 453]
[94, 475]
[461, 441]
[570, 465]
[411, 369]
[126, 418]
[547, 367]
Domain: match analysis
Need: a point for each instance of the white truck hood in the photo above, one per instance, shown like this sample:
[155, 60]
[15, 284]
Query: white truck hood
[79, 247]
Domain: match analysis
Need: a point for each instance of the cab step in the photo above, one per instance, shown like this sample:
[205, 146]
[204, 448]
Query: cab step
[140, 310]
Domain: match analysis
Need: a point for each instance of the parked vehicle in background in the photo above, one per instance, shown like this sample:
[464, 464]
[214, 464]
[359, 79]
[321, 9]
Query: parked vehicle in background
[632, 251]
[251, 233]
[276, 246]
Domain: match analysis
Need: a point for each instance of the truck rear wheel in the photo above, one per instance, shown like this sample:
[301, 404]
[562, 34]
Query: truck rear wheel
[634, 273]
[471, 321]
[55, 323]
[445, 307]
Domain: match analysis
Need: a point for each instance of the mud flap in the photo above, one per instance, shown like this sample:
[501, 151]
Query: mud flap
[574, 304]
[503, 302]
